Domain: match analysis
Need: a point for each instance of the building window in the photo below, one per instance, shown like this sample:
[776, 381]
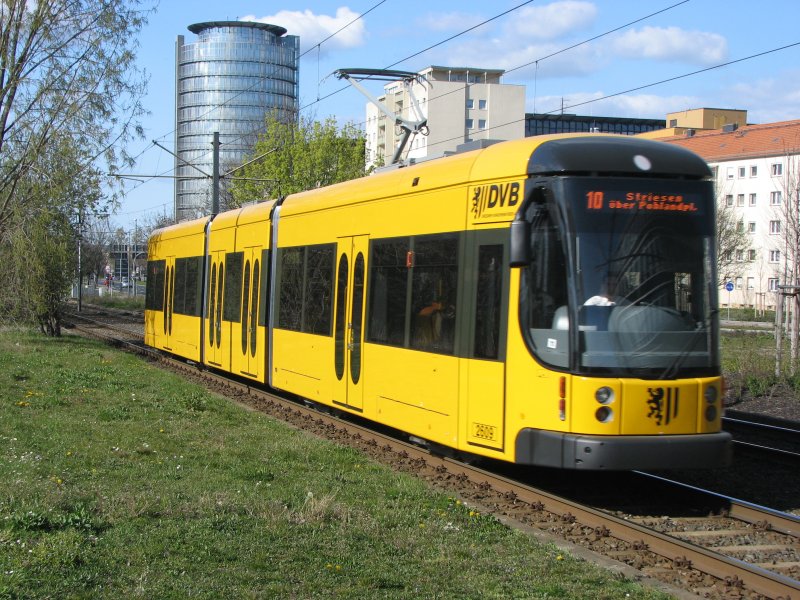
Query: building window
[752, 199]
[482, 104]
[753, 170]
[775, 198]
[481, 123]
[742, 172]
[740, 200]
[730, 173]
[773, 284]
[751, 283]
[739, 255]
[738, 283]
[751, 254]
[673, 122]
[777, 169]
[740, 227]
[751, 227]
[774, 256]
[729, 199]
[774, 227]
[470, 124]
[470, 103]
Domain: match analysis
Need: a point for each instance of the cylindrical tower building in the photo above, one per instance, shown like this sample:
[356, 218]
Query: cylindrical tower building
[228, 80]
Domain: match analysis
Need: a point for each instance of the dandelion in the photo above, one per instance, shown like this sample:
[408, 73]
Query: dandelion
[23, 404]
[338, 567]
[559, 557]
[69, 452]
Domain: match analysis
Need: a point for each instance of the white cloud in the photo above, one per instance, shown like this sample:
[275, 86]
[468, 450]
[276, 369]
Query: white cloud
[551, 21]
[672, 43]
[313, 28]
[770, 99]
[497, 54]
[527, 23]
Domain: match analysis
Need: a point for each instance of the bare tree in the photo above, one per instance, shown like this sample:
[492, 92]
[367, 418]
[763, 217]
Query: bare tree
[66, 71]
[733, 243]
[786, 175]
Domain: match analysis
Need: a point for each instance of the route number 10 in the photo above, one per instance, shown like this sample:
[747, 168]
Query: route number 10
[594, 200]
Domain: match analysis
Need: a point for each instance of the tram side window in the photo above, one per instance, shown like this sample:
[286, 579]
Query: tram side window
[317, 297]
[262, 309]
[154, 296]
[547, 281]
[290, 306]
[388, 291]
[543, 293]
[305, 288]
[233, 287]
[488, 301]
[187, 286]
[433, 293]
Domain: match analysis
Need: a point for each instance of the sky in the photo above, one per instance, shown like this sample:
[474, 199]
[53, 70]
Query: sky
[618, 58]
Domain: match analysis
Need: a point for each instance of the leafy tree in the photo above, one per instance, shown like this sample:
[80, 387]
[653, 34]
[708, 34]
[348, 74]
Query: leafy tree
[67, 70]
[48, 245]
[38, 249]
[299, 156]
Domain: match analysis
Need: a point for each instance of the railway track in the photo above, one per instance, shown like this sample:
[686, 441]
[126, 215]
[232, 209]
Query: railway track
[774, 439]
[738, 550]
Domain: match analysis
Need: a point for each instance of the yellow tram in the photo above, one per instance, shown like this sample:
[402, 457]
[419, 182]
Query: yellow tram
[547, 301]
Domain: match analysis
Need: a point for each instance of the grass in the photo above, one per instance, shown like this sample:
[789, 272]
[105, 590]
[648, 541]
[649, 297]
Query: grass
[120, 480]
[121, 300]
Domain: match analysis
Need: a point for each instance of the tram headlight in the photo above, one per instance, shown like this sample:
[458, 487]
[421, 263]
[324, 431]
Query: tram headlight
[604, 414]
[710, 394]
[604, 395]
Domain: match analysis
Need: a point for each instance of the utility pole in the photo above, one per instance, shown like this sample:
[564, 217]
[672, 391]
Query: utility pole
[215, 176]
[80, 269]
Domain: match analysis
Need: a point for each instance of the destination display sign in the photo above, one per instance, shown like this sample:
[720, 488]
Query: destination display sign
[644, 200]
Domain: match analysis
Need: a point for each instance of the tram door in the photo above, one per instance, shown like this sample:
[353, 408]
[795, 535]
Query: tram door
[213, 324]
[169, 300]
[351, 271]
[251, 286]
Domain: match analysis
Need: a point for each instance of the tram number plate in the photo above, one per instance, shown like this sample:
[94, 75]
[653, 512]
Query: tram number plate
[485, 432]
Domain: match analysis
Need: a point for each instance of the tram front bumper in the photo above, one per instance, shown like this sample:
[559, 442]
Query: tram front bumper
[623, 453]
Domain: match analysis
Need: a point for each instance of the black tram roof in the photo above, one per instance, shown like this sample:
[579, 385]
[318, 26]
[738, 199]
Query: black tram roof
[616, 155]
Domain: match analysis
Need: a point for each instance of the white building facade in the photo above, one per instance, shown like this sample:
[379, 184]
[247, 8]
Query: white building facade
[460, 105]
[756, 177]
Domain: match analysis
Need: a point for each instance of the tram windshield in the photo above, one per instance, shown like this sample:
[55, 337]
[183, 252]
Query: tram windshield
[622, 278]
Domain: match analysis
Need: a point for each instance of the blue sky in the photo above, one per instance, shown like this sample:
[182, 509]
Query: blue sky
[603, 74]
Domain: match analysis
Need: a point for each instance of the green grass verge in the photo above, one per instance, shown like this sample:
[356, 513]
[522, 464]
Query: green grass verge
[121, 300]
[119, 480]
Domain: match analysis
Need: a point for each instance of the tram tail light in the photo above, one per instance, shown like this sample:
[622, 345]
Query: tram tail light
[562, 400]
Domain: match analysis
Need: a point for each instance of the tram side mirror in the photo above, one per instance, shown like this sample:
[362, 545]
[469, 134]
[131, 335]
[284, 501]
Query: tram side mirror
[520, 243]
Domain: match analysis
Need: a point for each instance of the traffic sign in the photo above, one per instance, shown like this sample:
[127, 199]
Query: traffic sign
[729, 286]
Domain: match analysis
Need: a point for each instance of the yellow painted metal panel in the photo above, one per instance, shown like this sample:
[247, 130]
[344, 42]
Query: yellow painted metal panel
[583, 406]
[413, 391]
[659, 407]
[303, 364]
[485, 403]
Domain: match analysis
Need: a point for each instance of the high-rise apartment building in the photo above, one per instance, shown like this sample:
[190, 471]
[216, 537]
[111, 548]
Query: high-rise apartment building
[460, 104]
[227, 81]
